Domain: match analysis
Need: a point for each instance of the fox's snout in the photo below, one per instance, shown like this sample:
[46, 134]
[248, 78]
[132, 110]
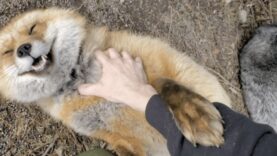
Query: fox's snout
[24, 50]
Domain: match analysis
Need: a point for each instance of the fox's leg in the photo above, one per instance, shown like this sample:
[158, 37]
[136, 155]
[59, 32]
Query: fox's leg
[196, 117]
[121, 145]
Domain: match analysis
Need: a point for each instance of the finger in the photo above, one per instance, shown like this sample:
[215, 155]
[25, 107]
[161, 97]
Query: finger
[113, 53]
[141, 69]
[143, 76]
[126, 55]
[128, 59]
[139, 62]
[89, 89]
[101, 57]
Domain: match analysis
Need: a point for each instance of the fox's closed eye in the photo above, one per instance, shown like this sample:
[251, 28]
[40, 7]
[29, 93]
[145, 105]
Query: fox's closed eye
[8, 52]
[32, 29]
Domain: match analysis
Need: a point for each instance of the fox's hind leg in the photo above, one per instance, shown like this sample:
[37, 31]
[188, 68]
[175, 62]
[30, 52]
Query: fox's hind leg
[196, 117]
[121, 145]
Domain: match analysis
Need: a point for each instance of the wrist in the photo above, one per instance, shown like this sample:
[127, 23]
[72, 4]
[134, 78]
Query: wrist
[143, 95]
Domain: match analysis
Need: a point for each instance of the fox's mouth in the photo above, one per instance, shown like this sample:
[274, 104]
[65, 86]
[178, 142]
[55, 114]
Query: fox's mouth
[42, 63]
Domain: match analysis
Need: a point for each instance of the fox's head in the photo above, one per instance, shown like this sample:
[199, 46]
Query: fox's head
[37, 53]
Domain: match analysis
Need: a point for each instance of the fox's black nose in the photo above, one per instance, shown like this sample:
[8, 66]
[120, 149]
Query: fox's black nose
[24, 50]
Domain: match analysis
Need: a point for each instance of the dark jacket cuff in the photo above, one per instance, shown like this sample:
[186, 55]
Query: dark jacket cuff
[158, 115]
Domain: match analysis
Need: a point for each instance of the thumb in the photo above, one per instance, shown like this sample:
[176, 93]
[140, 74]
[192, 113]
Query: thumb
[89, 89]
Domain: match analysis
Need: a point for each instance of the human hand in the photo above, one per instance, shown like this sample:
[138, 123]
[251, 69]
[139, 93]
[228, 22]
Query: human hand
[123, 81]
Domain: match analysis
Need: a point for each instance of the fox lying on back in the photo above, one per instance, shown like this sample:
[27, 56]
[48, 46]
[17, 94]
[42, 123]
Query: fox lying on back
[46, 54]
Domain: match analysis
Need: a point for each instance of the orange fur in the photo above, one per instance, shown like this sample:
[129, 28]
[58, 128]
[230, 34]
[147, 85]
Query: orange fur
[128, 132]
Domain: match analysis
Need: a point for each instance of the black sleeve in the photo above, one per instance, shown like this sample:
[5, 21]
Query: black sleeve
[243, 137]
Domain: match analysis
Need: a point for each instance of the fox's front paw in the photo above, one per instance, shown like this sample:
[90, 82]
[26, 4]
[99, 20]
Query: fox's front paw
[196, 117]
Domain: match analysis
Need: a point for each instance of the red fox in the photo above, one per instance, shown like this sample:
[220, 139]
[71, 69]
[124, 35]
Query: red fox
[47, 53]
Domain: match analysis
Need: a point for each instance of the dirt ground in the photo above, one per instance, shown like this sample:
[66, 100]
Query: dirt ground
[210, 31]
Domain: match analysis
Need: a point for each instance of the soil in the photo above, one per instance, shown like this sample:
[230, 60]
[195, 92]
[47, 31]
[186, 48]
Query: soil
[210, 31]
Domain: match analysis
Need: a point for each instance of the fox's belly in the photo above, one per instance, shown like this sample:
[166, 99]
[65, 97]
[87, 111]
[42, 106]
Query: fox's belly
[96, 117]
